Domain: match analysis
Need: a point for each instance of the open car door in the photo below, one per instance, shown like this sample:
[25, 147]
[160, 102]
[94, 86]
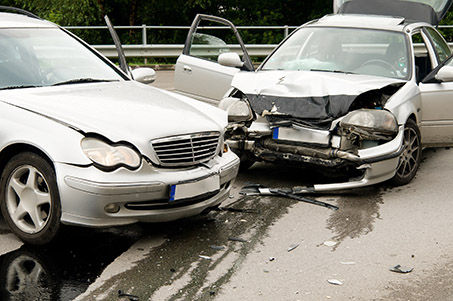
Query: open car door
[210, 59]
[143, 75]
[430, 11]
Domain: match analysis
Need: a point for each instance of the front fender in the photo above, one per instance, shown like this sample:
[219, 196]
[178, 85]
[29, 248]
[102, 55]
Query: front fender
[406, 102]
[58, 141]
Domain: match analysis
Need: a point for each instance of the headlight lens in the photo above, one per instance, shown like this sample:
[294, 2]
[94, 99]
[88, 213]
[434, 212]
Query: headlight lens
[110, 156]
[378, 120]
[237, 109]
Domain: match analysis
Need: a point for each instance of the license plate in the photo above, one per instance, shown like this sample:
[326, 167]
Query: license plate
[301, 134]
[193, 189]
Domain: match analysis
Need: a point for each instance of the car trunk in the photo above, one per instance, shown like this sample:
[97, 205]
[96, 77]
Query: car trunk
[416, 10]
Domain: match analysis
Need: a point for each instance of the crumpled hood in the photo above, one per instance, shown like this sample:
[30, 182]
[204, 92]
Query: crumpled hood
[120, 111]
[306, 94]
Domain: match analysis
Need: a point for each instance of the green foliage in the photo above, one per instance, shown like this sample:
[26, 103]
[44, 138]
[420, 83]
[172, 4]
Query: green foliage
[447, 33]
[63, 12]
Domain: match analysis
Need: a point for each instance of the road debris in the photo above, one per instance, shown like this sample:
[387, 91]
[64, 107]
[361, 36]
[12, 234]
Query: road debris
[335, 282]
[330, 243]
[238, 210]
[121, 294]
[293, 193]
[292, 247]
[271, 258]
[204, 257]
[237, 239]
[347, 262]
[401, 269]
[217, 248]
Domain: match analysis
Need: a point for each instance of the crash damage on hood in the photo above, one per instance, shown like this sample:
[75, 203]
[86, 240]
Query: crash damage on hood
[313, 130]
[317, 111]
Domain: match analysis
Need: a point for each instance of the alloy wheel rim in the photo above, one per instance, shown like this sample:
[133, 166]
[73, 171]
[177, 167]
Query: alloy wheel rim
[409, 158]
[28, 199]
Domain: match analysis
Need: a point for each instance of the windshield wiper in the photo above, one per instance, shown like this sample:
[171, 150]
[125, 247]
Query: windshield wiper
[19, 87]
[83, 80]
[333, 71]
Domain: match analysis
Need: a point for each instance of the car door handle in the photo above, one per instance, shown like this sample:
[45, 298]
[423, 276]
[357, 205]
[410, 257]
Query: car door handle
[187, 69]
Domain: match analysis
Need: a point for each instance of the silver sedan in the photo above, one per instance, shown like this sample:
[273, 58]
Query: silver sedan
[81, 143]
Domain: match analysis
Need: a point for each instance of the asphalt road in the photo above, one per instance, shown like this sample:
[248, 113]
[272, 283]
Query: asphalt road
[258, 248]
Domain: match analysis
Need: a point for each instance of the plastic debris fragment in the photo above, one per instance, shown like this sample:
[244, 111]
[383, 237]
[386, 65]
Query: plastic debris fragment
[347, 262]
[292, 247]
[330, 243]
[121, 294]
[237, 239]
[335, 282]
[217, 248]
[401, 269]
[204, 257]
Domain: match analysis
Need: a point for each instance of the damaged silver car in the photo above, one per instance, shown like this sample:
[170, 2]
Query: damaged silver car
[356, 93]
[83, 143]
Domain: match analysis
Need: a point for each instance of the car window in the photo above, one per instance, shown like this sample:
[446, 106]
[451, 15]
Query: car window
[423, 61]
[351, 50]
[440, 46]
[208, 43]
[46, 56]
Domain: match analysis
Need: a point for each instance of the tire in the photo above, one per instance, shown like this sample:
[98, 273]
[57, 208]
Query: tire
[245, 161]
[410, 157]
[30, 201]
[245, 164]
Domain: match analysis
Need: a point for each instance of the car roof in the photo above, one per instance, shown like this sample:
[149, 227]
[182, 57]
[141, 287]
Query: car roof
[362, 21]
[14, 20]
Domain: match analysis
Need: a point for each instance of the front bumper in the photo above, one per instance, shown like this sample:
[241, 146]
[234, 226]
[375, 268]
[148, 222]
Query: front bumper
[142, 195]
[374, 164]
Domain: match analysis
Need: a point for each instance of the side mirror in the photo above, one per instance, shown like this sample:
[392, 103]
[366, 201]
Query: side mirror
[445, 74]
[230, 59]
[144, 75]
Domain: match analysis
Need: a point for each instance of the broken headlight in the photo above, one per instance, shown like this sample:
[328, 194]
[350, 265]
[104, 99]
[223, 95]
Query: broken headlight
[378, 120]
[110, 157]
[238, 109]
[361, 127]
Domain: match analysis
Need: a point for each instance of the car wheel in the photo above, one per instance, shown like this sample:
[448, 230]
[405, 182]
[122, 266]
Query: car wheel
[410, 157]
[30, 200]
[246, 162]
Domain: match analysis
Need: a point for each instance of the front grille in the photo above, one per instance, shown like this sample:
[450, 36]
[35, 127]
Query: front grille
[186, 150]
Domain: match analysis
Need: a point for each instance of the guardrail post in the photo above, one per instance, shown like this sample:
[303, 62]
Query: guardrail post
[286, 31]
[144, 39]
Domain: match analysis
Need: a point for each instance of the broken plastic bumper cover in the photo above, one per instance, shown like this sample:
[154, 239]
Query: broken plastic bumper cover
[286, 192]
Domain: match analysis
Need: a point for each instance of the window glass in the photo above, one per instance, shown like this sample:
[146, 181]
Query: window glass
[441, 47]
[46, 56]
[349, 50]
[210, 40]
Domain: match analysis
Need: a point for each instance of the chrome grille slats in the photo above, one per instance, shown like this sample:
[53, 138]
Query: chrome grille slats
[186, 150]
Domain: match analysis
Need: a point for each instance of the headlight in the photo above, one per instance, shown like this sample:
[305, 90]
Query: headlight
[375, 120]
[110, 156]
[237, 109]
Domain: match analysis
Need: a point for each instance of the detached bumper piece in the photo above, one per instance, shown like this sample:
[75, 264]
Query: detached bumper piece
[286, 192]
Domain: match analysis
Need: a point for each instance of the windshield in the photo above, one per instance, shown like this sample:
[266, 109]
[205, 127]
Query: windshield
[35, 57]
[348, 50]
[437, 5]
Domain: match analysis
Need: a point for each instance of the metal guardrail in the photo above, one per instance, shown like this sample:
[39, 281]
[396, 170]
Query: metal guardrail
[146, 50]
[161, 50]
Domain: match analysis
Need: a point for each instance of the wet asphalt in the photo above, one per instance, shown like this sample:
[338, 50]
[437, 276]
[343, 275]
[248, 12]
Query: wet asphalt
[257, 247]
